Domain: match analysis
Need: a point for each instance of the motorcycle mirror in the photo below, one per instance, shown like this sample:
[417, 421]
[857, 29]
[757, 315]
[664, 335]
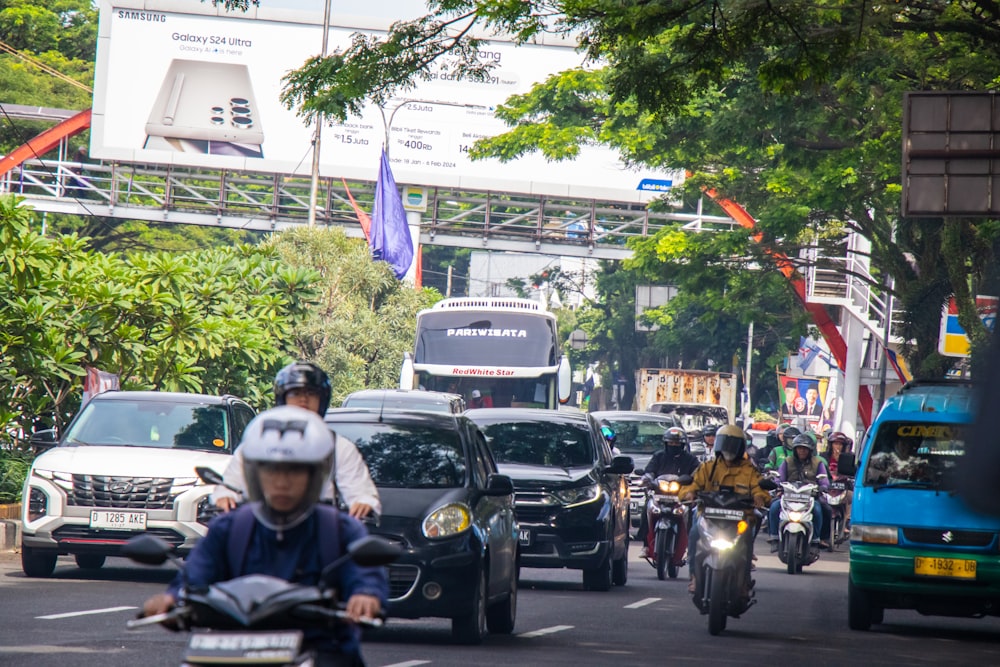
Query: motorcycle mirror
[846, 465]
[208, 475]
[767, 484]
[372, 551]
[685, 479]
[147, 549]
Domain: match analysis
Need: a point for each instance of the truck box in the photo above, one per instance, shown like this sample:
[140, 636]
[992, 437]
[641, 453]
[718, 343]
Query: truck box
[687, 387]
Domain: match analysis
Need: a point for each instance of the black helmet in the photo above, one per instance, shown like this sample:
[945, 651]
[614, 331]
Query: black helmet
[730, 443]
[840, 436]
[302, 375]
[789, 435]
[711, 429]
[803, 440]
[674, 435]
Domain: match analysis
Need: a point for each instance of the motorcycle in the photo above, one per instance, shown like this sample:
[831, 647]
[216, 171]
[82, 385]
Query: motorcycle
[255, 619]
[725, 536]
[795, 526]
[837, 497]
[664, 508]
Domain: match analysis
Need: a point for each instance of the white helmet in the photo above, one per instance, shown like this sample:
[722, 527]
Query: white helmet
[286, 435]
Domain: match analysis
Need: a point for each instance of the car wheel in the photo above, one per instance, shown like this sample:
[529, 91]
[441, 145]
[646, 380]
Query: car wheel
[470, 628]
[36, 563]
[89, 561]
[598, 578]
[860, 610]
[501, 616]
[619, 568]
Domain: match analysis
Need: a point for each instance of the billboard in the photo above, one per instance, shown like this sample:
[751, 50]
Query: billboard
[179, 82]
[953, 341]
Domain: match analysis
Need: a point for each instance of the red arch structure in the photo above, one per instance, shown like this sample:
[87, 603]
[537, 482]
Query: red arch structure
[45, 141]
[826, 326]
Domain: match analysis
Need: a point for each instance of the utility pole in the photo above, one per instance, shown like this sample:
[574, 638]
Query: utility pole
[314, 186]
[448, 289]
[746, 381]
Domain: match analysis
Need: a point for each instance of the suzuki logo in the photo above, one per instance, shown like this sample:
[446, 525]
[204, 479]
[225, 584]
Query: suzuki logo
[120, 487]
[947, 537]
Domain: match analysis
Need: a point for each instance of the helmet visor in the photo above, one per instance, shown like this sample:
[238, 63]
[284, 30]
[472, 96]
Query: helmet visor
[730, 446]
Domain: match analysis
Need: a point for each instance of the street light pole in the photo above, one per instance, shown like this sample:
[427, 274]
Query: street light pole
[314, 185]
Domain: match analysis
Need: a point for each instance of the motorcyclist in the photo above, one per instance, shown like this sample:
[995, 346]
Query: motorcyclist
[778, 455]
[839, 444]
[802, 466]
[673, 459]
[708, 433]
[306, 385]
[288, 454]
[729, 468]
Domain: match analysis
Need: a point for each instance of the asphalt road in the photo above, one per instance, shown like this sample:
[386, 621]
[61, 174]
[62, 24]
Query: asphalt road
[76, 618]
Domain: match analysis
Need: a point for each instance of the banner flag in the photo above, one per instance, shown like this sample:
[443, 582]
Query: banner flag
[363, 218]
[390, 235]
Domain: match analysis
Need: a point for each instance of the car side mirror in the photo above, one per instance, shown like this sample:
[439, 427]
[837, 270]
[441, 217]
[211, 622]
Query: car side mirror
[621, 465]
[499, 485]
[44, 439]
[846, 465]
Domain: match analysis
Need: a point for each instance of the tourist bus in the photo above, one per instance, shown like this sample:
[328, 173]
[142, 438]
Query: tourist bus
[497, 352]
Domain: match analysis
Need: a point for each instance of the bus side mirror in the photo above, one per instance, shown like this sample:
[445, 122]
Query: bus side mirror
[406, 372]
[564, 379]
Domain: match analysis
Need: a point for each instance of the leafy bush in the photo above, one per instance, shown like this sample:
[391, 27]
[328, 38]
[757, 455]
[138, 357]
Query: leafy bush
[14, 466]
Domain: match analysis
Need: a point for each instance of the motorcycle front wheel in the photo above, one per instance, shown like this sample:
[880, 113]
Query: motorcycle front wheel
[836, 531]
[792, 557]
[716, 585]
[660, 551]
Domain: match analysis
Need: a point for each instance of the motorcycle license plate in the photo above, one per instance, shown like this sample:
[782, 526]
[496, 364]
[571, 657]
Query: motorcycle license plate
[944, 567]
[633, 506]
[524, 537]
[722, 513]
[117, 520]
[235, 648]
[838, 486]
[798, 497]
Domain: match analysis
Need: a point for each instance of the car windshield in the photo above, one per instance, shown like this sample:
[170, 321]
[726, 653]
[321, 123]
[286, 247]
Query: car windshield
[546, 443]
[160, 424]
[408, 456]
[915, 454]
[638, 437]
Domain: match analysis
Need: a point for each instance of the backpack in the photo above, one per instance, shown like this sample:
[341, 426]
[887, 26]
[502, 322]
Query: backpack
[244, 522]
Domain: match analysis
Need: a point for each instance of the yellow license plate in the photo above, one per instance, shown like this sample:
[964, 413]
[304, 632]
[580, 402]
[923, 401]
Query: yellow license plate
[945, 567]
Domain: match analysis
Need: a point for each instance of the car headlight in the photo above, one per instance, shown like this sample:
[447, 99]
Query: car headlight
[446, 521]
[578, 495]
[875, 534]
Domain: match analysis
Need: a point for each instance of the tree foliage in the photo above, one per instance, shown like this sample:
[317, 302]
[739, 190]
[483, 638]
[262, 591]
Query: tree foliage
[793, 109]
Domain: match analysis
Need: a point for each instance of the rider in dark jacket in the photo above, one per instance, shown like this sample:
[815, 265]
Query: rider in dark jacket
[673, 459]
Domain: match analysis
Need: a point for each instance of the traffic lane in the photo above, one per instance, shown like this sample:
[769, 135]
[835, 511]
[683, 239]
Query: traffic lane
[77, 617]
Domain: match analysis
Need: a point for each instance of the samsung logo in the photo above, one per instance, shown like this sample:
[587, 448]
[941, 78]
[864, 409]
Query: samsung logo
[142, 16]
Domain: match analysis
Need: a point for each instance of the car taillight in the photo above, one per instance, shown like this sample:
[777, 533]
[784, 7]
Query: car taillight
[38, 504]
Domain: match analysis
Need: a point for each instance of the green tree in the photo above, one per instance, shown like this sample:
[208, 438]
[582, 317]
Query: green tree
[364, 320]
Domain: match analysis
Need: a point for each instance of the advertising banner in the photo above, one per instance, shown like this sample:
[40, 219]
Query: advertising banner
[806, 403]
[202, 89]
[953, 341]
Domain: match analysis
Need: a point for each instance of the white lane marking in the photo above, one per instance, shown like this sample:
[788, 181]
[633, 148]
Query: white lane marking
[642, 603]
[52, 617]
[546, 631]
[409, 663]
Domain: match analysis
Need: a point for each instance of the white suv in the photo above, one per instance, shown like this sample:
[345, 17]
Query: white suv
[126, 465]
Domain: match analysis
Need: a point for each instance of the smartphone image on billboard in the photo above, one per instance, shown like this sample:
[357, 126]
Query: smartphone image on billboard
[208, 108]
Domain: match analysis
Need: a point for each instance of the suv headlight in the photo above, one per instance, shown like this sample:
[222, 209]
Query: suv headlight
[446, 521]
[38, 504]
[578, 495]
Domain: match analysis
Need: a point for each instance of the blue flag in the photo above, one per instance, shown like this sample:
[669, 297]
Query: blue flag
[807, 352]
[390, 235]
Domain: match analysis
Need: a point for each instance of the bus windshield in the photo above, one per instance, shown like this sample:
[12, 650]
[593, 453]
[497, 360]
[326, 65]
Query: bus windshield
[485, 339]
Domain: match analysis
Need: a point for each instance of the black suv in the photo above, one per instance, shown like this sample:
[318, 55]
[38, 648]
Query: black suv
[125, 465]
[571, 493]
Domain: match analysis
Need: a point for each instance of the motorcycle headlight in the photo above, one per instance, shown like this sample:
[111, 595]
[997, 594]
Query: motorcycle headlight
[578, 495]
[446, 521]
[670, 488]
[795, 516]
[721, 544]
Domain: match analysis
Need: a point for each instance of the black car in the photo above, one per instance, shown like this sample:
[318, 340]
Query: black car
[571, 493]
[453, 513]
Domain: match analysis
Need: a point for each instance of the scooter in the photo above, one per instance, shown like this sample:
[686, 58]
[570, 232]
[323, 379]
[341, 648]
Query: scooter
[796, 525]
[664, 508]
[255, 619]
[725, 536]
[837, 497]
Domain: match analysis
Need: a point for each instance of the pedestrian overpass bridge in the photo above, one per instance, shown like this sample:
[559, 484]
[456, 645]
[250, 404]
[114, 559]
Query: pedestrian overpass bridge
[269, 202]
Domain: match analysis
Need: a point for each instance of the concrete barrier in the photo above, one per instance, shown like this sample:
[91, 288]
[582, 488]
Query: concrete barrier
[10, 535]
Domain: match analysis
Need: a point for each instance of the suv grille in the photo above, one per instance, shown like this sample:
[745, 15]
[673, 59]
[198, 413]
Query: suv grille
[149, 493]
